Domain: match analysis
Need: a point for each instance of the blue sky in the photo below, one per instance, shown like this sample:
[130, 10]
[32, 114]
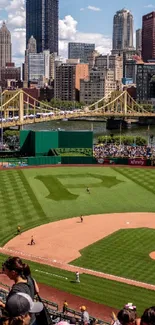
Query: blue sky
[101, 21]
[80, 21]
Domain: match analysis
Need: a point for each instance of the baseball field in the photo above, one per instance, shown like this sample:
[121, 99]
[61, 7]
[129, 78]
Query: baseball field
[116, 236]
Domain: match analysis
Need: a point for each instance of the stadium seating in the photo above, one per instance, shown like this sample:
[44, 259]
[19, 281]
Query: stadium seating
[53, 309]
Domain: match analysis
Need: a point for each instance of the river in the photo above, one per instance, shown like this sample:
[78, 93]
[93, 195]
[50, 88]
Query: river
[99, 128]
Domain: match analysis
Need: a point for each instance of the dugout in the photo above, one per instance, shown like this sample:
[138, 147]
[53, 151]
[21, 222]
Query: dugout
[45, 143]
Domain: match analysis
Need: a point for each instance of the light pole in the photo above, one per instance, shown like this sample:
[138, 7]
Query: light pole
[120, 133]
[1, 121]
[148, 135]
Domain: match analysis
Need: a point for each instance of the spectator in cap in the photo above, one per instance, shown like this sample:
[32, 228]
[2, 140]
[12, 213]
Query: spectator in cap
[84, 316]
[127, 316]
[20, 307]
[65, 305]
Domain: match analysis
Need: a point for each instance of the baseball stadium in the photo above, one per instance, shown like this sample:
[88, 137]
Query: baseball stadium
[65, 212]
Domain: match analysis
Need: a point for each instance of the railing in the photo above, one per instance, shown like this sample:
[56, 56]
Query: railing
[52, 308]
[7, 124]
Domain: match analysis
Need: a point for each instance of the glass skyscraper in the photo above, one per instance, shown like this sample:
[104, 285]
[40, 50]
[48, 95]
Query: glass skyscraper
[123, 30]
[42, 24]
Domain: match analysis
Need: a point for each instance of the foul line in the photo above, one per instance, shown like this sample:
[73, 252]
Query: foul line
[72, 268]
[52, 274]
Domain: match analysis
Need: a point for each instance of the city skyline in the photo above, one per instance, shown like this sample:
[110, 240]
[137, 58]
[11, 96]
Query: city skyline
[75, 22]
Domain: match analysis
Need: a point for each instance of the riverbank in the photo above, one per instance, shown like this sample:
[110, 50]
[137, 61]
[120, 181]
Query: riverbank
[99, 128]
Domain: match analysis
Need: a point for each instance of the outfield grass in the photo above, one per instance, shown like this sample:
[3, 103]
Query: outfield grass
[96, 289]
[31, 197]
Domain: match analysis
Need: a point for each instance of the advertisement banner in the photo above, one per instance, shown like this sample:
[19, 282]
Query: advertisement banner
[137, 162]
[105, 161]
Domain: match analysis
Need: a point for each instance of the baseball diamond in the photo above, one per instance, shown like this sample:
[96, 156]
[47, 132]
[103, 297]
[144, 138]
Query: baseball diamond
[111, 248]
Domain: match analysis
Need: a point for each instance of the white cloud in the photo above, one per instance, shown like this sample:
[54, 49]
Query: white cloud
[94, 8]
[149, 6]
[67, 28]
[15, 5]
[81, 9]
[17, 20]
[69, 32]
[3, 4]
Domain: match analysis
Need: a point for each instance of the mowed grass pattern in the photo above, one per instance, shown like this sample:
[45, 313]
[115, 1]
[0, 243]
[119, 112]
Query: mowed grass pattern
[18, 205]
[142, 177]
[124, 253]
[32, 197]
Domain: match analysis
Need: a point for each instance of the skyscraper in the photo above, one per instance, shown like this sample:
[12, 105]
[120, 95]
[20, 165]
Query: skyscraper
[148, 37]
[5, 46]
[31, 48]
[42, 23]
[123, 30]
[32, 45]
[139, 40]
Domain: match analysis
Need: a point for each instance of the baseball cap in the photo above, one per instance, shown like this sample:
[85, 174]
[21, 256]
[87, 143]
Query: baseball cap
[21, 303]
[130, 306]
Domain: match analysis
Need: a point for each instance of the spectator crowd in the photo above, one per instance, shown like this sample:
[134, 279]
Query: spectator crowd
[123, 151]
[23, 305]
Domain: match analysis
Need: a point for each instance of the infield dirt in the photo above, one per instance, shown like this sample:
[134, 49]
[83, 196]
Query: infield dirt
[61, 241]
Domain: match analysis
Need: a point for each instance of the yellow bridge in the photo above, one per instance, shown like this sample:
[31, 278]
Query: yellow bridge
[19, 108]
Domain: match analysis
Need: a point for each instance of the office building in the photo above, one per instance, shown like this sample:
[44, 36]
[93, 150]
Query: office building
[53, 58]
[122, 30]
[139, 41]
[67, 80]
[80, 51]
[112, 62]
[148, 37]
[98, 85]
[9, 74]
[39, 67]
[5, 46]
[129, 64]
[42, 23]
[145, 81]
[91, 59]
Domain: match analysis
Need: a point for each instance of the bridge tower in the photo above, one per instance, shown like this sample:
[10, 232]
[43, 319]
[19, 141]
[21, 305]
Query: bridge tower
[21, 106]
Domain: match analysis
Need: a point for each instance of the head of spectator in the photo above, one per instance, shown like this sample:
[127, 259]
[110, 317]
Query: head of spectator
[127, 316]
[148, 317]
[83, 308]
[14, 268]
[20, 306]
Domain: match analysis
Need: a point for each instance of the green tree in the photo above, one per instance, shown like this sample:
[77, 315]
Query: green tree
[126, 140]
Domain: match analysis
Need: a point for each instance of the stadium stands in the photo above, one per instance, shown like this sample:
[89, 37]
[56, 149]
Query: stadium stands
[55, 313]
[112, 150]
